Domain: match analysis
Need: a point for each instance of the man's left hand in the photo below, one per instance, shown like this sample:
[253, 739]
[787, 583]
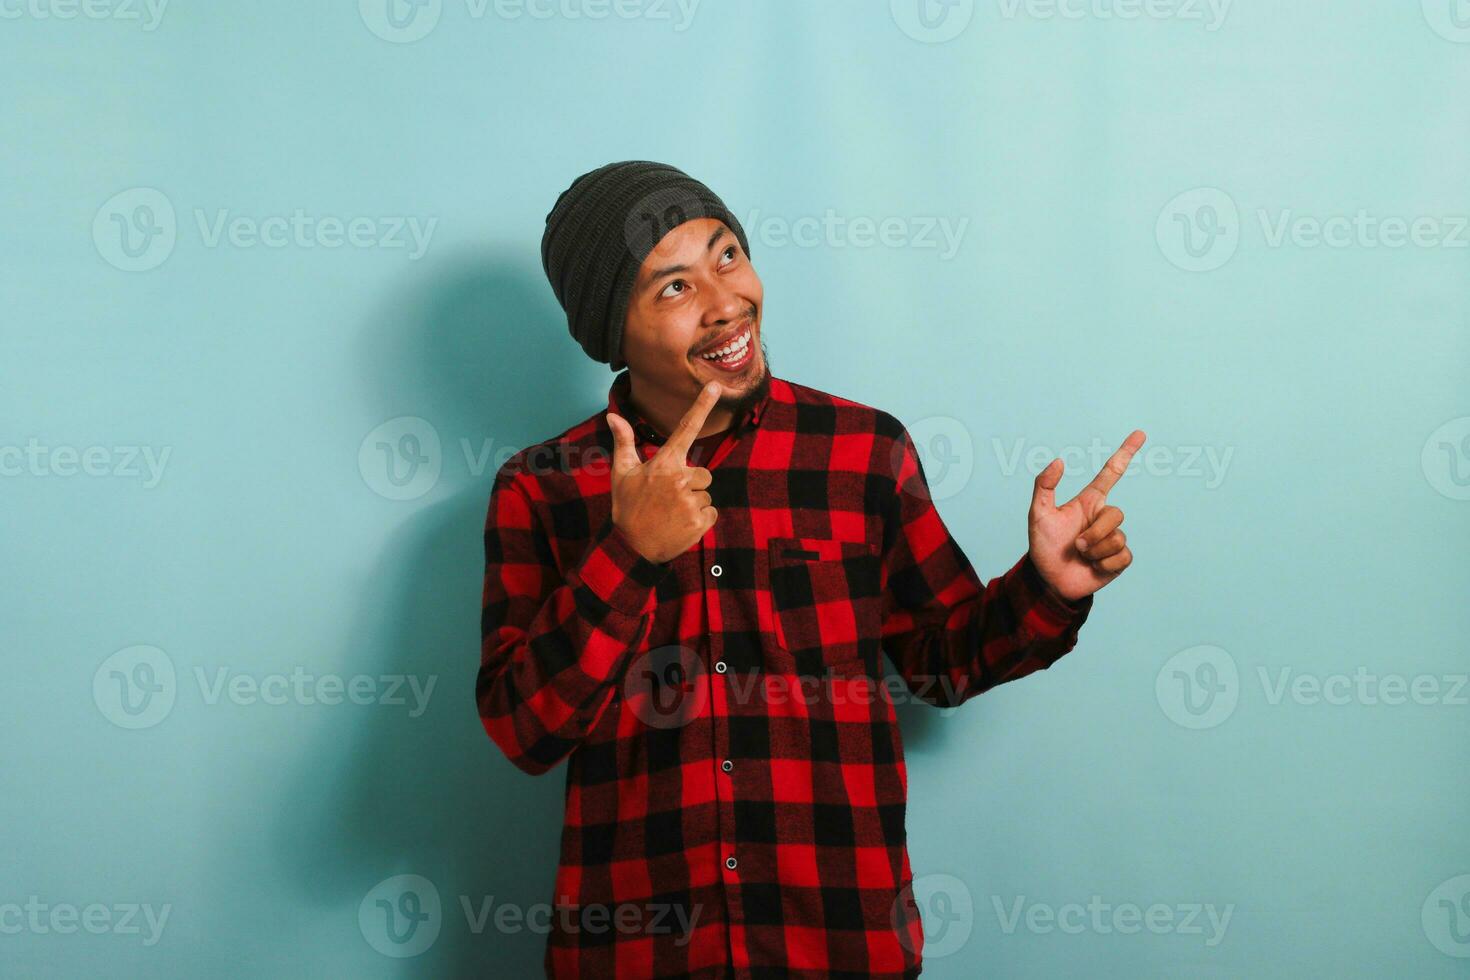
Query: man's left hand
[1079, 547]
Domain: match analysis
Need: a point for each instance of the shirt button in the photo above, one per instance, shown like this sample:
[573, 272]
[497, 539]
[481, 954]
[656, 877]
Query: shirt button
[716, 571]
[719, 666]
[730, 863]
[727, 765]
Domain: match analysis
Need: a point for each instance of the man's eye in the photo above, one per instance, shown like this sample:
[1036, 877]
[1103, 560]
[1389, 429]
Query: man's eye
[676, 282]
[733, 251]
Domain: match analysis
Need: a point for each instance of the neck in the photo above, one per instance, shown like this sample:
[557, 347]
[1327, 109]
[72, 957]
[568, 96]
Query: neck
[663, 409]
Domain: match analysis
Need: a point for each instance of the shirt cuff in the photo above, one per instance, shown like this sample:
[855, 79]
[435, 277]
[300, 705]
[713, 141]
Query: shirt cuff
[1043, 608]
[619, 574]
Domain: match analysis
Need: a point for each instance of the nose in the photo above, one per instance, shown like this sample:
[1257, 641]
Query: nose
[725, 306]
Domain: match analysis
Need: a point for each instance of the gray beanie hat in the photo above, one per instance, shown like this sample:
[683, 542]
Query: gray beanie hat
[599, 232]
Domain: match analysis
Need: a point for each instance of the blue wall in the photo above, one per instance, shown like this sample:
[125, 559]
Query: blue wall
[247, 244]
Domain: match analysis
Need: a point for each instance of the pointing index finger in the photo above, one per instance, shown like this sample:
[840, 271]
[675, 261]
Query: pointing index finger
[676, 449]
[1116, 465]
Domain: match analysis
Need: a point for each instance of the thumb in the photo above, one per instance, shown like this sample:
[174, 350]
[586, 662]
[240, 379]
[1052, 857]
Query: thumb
[1043, 495]
[625, 455]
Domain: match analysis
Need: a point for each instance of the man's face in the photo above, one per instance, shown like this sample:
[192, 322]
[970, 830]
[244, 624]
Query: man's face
[696, 293]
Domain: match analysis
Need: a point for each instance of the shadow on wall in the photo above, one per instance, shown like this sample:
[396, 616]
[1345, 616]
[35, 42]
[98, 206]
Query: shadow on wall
[484, 354]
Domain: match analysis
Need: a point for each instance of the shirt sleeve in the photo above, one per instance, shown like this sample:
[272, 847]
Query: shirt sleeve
[554, 645]
[949, 635]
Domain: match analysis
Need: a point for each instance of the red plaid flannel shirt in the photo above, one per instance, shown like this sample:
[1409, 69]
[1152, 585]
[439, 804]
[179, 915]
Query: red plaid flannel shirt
[735, 782]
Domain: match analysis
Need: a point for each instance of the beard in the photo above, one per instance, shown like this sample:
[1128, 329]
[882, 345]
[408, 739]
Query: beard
[754, 392]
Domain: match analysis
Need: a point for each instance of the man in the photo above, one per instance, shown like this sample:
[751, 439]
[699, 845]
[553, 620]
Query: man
[686, 597]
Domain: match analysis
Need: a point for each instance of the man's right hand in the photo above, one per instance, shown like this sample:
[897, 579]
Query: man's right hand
[660, 504]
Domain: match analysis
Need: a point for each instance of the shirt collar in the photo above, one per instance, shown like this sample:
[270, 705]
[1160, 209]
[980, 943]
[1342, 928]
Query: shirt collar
[619, 401]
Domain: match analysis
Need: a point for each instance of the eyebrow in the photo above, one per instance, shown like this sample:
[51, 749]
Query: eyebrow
[658, 274]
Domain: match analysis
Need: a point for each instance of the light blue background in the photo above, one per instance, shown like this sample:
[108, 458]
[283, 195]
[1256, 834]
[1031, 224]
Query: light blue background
[1331, 540]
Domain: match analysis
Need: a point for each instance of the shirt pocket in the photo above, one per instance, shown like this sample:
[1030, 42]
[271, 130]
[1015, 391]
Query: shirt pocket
[825, 601]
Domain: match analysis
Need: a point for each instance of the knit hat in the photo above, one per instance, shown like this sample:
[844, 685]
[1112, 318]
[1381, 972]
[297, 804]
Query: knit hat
[599, 232]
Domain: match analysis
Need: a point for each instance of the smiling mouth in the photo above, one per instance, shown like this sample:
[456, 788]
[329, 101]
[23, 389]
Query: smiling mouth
[734, 354]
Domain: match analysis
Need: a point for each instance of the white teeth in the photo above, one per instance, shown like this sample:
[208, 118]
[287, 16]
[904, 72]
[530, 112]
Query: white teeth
[729, 351]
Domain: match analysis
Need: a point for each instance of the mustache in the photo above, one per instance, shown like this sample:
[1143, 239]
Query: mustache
[747, 316]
